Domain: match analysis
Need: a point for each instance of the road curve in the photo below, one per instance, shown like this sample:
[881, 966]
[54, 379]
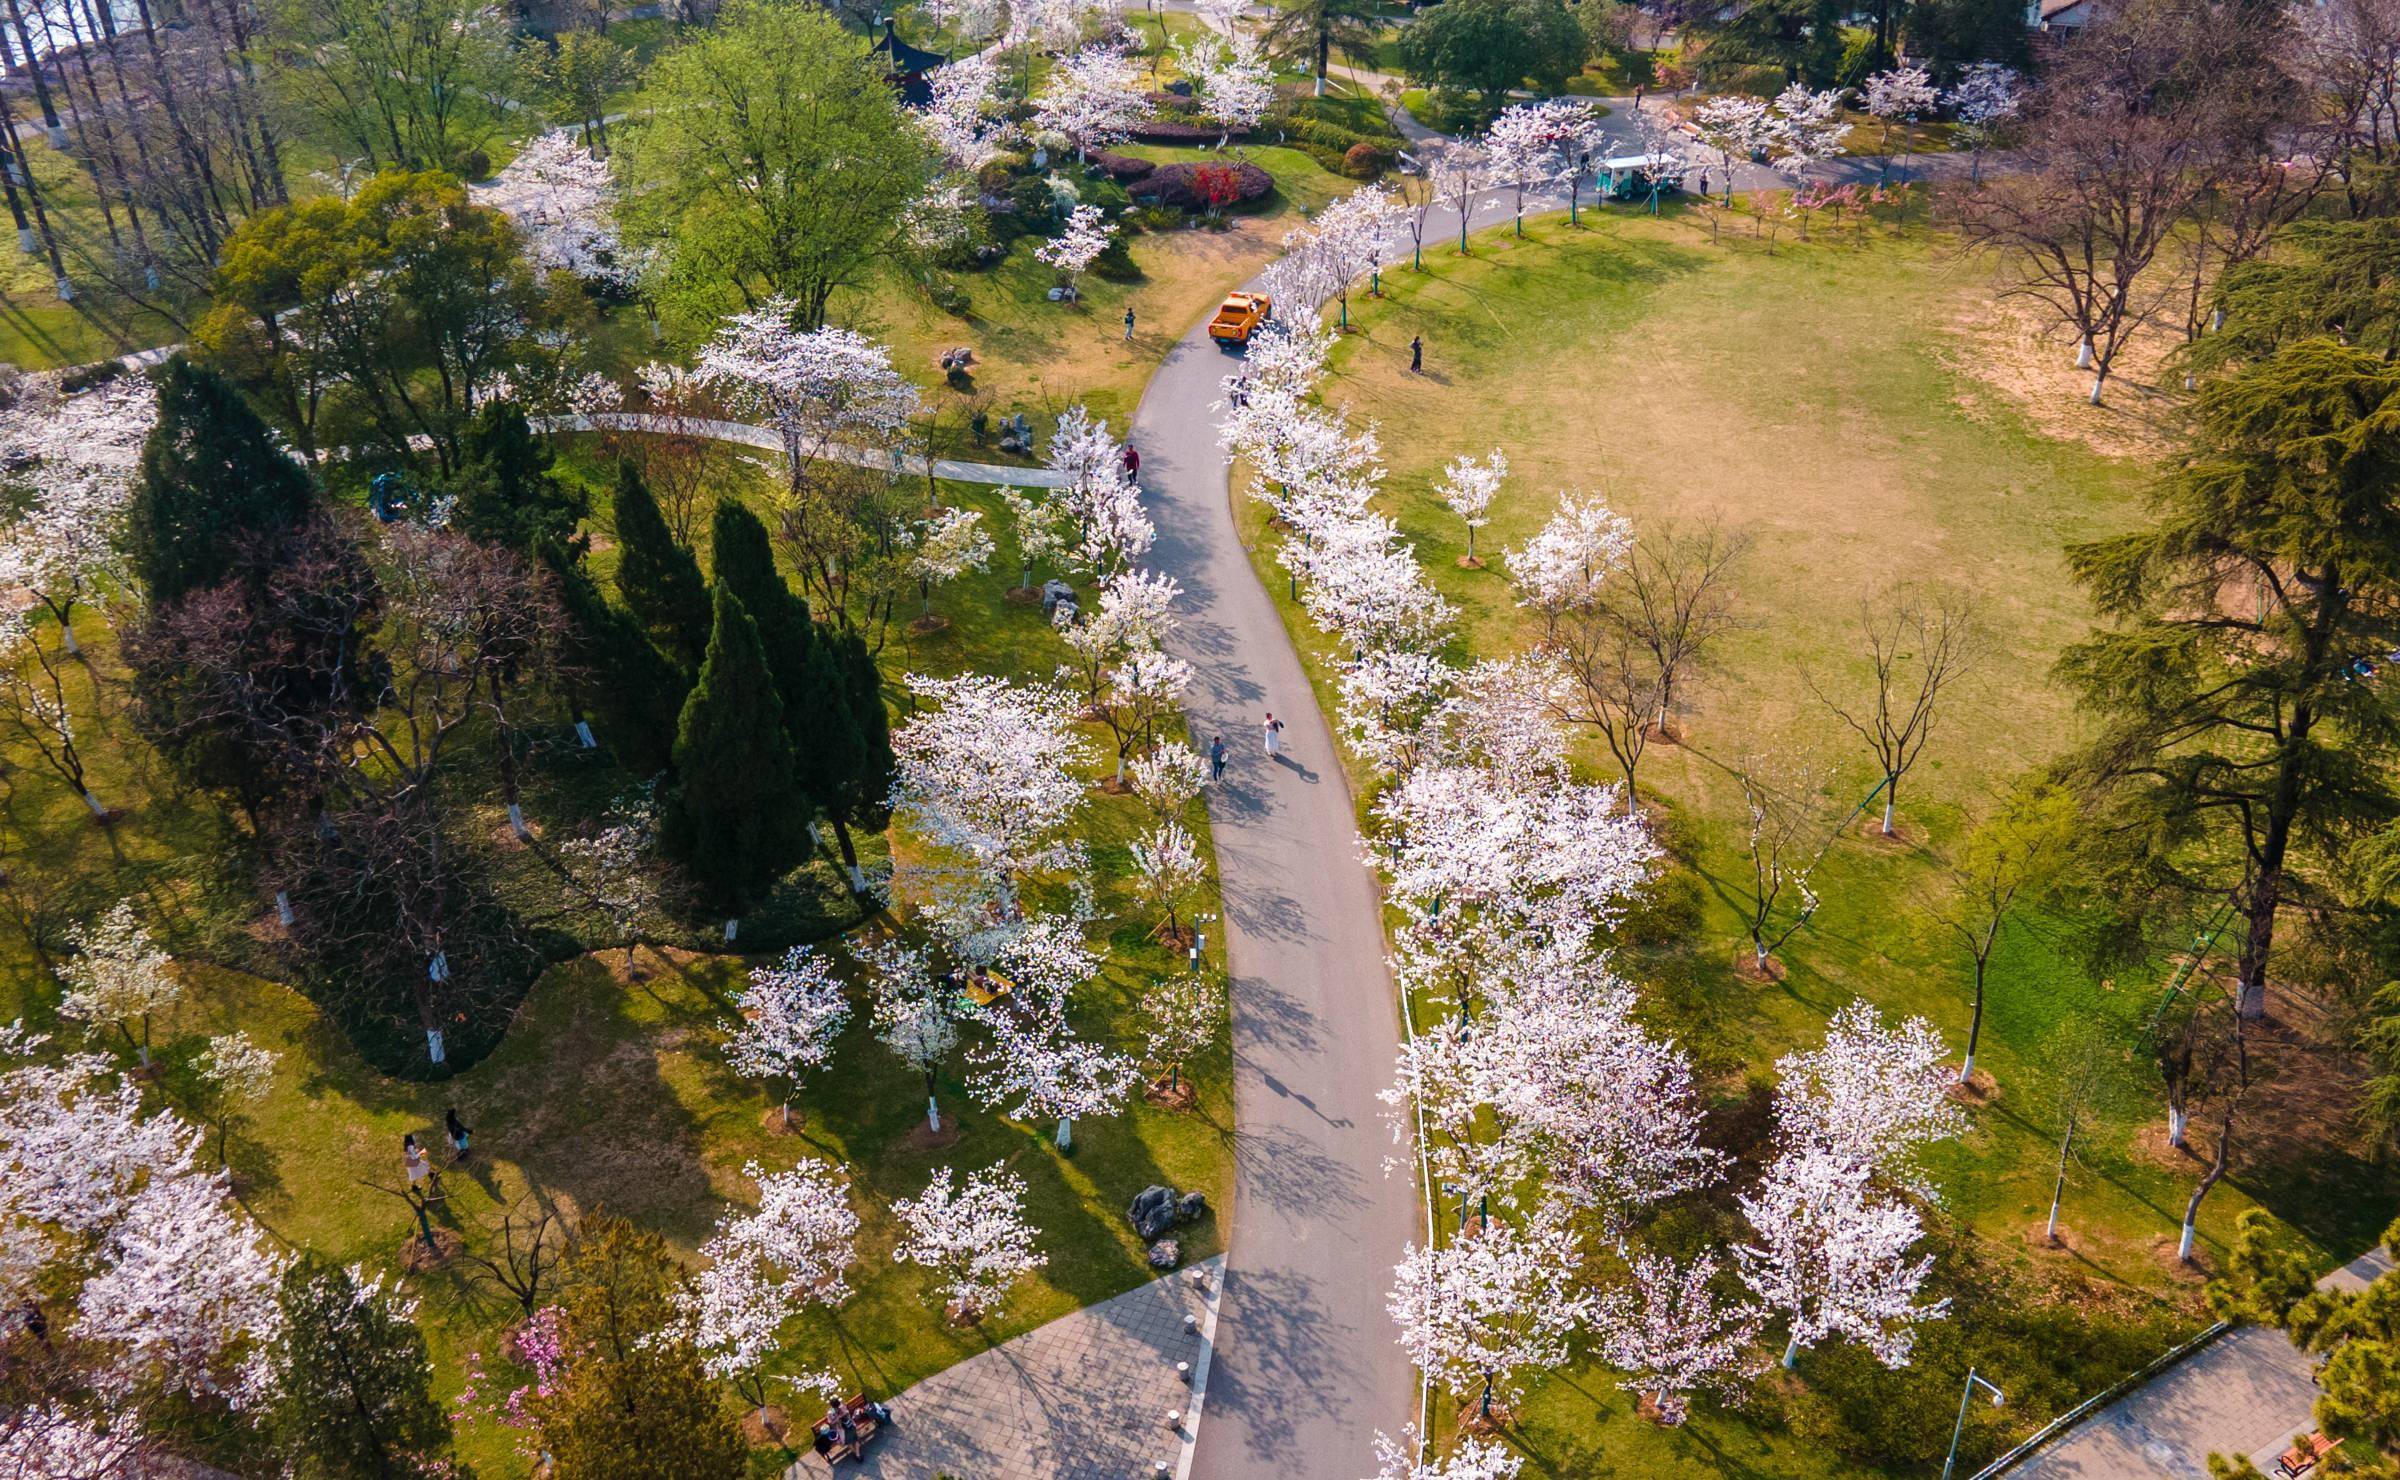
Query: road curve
[1307, 1367]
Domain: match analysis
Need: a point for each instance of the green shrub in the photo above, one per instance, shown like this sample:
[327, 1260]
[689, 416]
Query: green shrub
[1115, 261]
[1032, 201]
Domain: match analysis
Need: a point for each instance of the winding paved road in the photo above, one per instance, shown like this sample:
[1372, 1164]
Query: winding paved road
[1306, 1366]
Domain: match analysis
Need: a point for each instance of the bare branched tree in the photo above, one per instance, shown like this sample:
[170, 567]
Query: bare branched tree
[1781, 802]
[1614, 683]
[1918, 645]
[1674, 594]
[518, 1250]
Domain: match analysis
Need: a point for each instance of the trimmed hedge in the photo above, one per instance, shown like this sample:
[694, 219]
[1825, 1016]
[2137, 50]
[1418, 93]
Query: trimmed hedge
[1171, 185]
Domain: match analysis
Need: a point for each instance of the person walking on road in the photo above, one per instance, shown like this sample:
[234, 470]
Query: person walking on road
[1129, 324]
[1274, 733]
[1416, 354]
[1637, 97]
[1216, 759]
[1133, 462]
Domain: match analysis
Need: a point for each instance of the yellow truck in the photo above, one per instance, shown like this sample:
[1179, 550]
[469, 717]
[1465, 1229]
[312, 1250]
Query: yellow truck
[1238, 317]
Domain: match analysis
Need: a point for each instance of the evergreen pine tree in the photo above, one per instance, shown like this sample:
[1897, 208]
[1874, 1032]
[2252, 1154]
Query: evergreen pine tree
[745, 564]
[353, 1392]
[211, 478]
[507, 494]
[658, 578]
[737, 818]
[636, 690]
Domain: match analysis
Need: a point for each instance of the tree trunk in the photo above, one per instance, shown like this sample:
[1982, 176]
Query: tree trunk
[2216, 1171]
[1066, 1133]
[2099, 381]
[841, 836]
[1966, 1071]
[2178, 1122]
[2058, 1188]
[2083, 353]
[1791, 1353]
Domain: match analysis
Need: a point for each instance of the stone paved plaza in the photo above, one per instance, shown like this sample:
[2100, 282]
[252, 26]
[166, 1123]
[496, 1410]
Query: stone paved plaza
[1083, 1398]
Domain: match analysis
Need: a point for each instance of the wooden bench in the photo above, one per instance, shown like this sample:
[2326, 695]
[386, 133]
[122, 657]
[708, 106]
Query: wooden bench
[864, 1426]
[2305, 1455]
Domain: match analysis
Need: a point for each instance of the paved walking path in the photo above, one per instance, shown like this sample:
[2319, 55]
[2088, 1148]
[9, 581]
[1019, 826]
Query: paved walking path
[1083, 1398]
[1307, 1368]
[2249, 1392]
[769, 440]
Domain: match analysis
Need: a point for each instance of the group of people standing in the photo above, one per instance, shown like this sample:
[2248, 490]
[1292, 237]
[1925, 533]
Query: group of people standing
[423, 1178]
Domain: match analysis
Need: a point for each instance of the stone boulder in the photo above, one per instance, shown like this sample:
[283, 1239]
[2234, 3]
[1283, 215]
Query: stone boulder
[1153, 1212]
[1191, 1207]
[1165, 1254]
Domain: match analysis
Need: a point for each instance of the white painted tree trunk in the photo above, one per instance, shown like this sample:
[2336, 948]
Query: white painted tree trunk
[516, 822]
[858, 878]
[2191, 1232]
[93, 802]
[283, 909]
[2216, 320]
[66, 289]
[433, 1045]
[2098, 381]
[933, 1115]
[1791, 1353]
[25, 242]
[2251, 1000]
[1066, 1132]
[1966, 1071]
[583, 736]
[66, 632]
[2083, 354]
[1887, 811]
[2176, 1122]
[732, 928]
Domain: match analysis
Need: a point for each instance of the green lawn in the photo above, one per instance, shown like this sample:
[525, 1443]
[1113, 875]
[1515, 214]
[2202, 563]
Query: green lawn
[1813, 397]
[610, 1092]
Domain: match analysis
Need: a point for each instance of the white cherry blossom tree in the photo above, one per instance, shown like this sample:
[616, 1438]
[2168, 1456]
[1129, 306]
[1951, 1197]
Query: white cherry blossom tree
[1094, 97]
[1562, 568]
[950, 544]
[965, 118]
[240, 1074]
[1167, 863]
[118, 977]
[1738, 128]
[1232, 80]
[1166, 777]
[1034, 1067]
[791, 1015]
[1874, 1095]
[1477, 1314]
[765, 1267]
[985, 784]
[1468, 488]
[916, 1015]
[1985, 97]
[1078, 245]
[1831, 1259]
[1672, 1334]
[973, 1237]
[563, 199]
[75, 456]
[1181, 1016]
[819, 388]
[1473, 1459]
[1533, 145]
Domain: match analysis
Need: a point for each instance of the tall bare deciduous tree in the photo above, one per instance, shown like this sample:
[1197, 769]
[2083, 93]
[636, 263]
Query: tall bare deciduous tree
[1917, 645]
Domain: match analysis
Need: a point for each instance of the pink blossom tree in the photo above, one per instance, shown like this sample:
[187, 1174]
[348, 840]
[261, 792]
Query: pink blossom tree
[791, 1015]
[1181, 1016]
[973, 1237]
[563, 200]
[1985, 97]
[1900, 95]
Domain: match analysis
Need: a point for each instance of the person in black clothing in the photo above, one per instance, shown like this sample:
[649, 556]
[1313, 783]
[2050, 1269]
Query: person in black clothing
[1416, 355]
[458, 1133]
[1216, 759]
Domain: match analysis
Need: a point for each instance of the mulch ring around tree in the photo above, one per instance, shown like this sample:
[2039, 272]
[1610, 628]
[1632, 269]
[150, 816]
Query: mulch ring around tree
[773, 1122]
[767, 1427]
[416, 1258]
[1173, 1094]
[1980, 1088]
[1745, 966]
[922, 1137]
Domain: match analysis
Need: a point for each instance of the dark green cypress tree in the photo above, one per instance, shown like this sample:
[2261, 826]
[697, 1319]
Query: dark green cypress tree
[866, 791]
[828, 743]
[507, 494]
[736, 819]
[354, 1392]
[211, 480]
[658, 578]
[636, 690]
[745, 563]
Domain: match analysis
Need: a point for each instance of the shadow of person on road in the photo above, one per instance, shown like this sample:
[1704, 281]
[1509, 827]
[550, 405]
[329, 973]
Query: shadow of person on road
[1303, 772]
